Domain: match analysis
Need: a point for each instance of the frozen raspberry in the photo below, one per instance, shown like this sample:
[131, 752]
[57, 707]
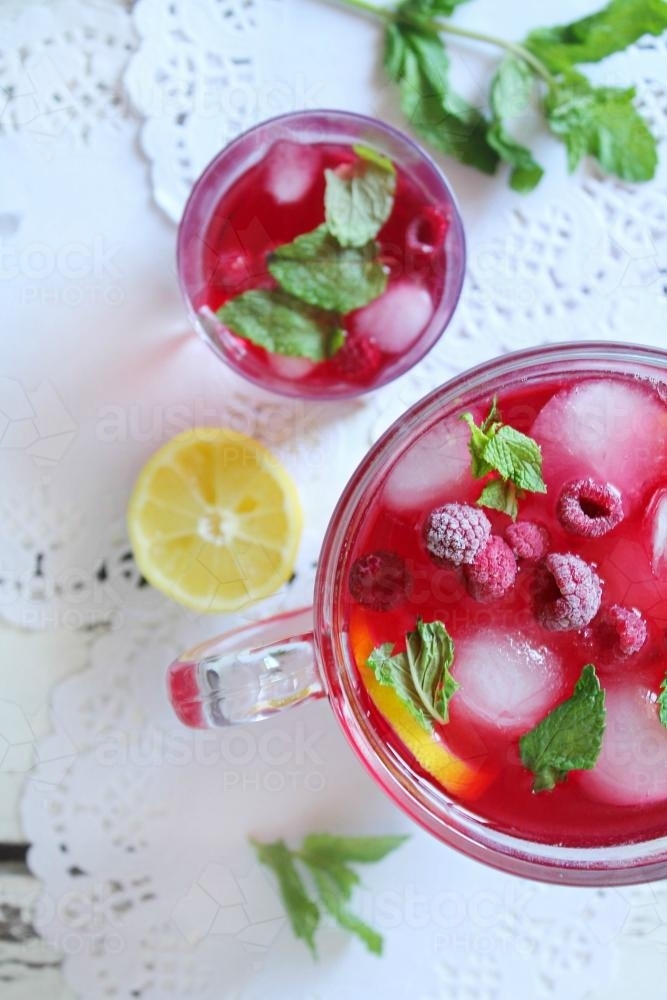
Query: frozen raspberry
[567, 592]
[379, 580]
[492, 572]
[528, 540]
[456, 532]
[358, 359]
[621, 631]
[589, 507]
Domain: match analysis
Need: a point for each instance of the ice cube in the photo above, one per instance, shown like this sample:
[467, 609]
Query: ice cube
[433, 469]
[396, 319]
[632, 766]
[605, 428]
[291, 169]
[507, 681]
[291, 367]
[656, 516]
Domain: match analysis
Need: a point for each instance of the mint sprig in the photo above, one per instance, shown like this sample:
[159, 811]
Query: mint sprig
[497, 448]
[601, 122]
[326, 858]
[569, 738]
[421, 675]
[325, 273]
[317, 269]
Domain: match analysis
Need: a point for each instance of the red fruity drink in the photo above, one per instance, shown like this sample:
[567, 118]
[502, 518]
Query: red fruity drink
[577, 576]
[321, 255]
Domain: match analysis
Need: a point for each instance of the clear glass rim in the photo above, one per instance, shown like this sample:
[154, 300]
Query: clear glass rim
[619, 864]
[443, 313]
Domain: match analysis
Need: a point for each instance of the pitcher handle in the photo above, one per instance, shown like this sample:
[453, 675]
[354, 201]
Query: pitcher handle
[247, 675]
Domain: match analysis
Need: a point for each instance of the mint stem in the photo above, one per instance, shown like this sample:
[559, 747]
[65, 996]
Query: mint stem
[445, 27]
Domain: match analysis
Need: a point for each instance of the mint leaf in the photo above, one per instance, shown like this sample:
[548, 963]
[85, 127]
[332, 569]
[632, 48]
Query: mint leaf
[516, 457]
[368, 153]
[569, 738]
[327, 847]
[317, 269]
[592, 38]
[511, 88]
[325, 858]
[302, 912]
[662, 703]
[334, 903]
[479, 438]
[394, 672]
[601, 122]
[416, 59]
[358, 201]
[496, 447]
[421, 675]
[282, 324]
[429, 8]
[500, 495]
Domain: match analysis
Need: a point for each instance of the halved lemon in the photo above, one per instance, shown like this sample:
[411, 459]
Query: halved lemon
[215, 520]
[466, 779]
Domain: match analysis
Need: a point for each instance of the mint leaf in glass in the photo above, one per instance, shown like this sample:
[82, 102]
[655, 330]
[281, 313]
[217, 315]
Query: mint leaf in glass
[318, 270]
[326, 859]
[569, 738]
[421, 675]
[612, 29]
[496, 447]
[662, 703]
[500, 495]
[282, 324]
[359, 198]
[601, 122]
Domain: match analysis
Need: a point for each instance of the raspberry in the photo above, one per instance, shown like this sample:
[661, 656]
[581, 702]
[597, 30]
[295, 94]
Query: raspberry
[621, 631]
[567, 592]
[492, 572]
[456, 532]
[379, 580]
[426, 233]
[528, 540]
[589, 507]
[358, 359]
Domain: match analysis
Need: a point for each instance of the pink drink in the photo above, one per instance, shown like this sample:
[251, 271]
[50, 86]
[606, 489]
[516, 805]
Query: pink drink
[265, 190]
[512, 670]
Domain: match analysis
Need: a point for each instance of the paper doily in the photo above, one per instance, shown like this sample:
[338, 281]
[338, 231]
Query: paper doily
[138, 827]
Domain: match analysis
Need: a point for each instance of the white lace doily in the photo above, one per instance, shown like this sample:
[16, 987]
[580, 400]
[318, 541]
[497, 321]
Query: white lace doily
[139, 828]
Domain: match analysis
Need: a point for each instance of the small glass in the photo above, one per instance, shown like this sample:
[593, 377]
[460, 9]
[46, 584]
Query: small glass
[256, 195]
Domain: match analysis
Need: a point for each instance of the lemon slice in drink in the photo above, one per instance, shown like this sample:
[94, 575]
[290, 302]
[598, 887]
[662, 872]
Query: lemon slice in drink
[466, 779]
[215, 520]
